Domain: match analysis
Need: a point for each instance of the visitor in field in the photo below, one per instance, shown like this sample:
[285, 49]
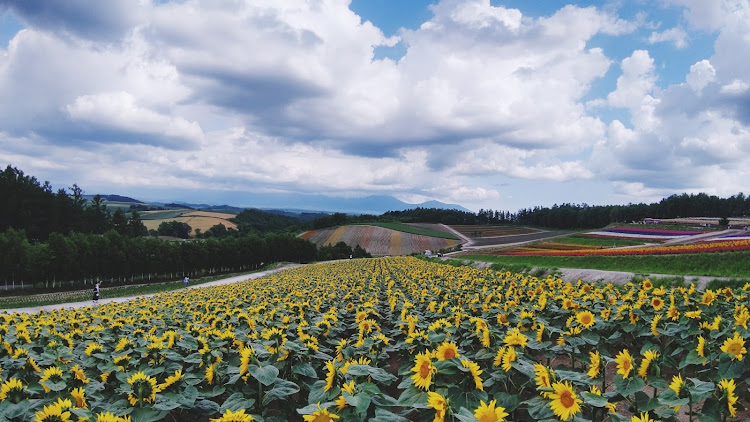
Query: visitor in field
[186, 281]
[96, 292]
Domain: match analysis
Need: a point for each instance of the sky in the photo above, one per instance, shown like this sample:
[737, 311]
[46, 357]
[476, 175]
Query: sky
[487, 104]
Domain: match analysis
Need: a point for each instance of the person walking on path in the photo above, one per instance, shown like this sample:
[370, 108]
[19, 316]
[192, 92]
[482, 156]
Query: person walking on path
[186, 281]
[96, 293]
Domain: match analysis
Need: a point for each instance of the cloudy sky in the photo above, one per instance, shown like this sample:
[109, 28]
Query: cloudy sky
[487, 104]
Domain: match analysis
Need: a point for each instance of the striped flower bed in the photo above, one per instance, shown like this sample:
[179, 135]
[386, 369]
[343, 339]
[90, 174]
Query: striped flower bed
[731, 237]
[643, 233]
[726, 246]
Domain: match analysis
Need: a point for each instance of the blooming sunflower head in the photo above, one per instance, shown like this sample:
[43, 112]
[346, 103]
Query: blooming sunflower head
[585, 319]
[447, 350]
[13, 391]
[514, 337]
[734, 346]
[423, 370]
[57, 412]
[728, 386]
[624, 363]
[238, 416]
[78, 395]
[320, 415]
[564, 401]
[490, 412]
[51, 374]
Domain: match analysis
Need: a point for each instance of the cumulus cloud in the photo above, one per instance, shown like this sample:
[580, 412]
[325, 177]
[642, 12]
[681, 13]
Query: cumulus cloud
[700, 75]
[288, 96]
[677, 36]
[119, 111]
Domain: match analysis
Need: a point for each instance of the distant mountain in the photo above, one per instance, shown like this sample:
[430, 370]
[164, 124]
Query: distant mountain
[297, 205]
[115, 198]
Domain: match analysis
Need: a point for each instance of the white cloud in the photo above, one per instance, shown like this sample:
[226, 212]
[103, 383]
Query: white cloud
[674, 35]
[119, 111]
[736, 87]
[701, 74]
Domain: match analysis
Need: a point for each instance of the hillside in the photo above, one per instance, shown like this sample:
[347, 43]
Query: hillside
[378, 241]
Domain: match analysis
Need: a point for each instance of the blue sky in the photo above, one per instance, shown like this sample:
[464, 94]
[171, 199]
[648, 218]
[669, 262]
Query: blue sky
[486, 104]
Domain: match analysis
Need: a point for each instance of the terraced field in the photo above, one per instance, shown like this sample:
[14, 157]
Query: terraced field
[378, 241]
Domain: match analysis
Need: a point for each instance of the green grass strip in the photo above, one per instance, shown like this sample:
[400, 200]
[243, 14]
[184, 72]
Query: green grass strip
[717, 264]
[414, 230]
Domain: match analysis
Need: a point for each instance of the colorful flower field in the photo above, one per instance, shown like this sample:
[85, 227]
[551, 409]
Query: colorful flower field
[388, 339]
[644, 233]
[701, 247]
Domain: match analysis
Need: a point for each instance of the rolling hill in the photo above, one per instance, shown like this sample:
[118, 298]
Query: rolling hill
[378, 241]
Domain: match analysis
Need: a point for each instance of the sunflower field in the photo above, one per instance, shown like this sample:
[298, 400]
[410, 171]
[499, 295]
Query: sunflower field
[387, 339]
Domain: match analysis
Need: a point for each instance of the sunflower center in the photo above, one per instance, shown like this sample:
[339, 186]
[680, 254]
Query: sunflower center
[424, 370]
[566, 398]
[449, 354]
[586, 319]
[734, 349]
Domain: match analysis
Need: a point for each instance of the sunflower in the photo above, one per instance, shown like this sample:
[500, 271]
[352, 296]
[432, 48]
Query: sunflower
[245, 355]
[437, 402]
[52, 374]
[649, 356]
[349, 387]
[57, 412]
[642, 418]
[321, 415]
[13, 391]
[108, 417]
[509, 357]
[78, 395]
[499, 356]
[708, 298]
[475, 373]
[178, 375]
[729, 386]
[340, 402]
[741, 317]
[655, 325]
[701, 348]
[79, 374]
[594, 367]
[144, 388]
[565, 403]
[447, 350]
[330, 375]
[734, 346]
[677, 385]
[585, 319]
[515, 338]
[490, 412]
[423, 370]
[542, 376]
[624, 363]
[230, 416]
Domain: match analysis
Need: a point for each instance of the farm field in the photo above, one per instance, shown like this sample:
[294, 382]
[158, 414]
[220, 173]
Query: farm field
[202, 220]
[475, 231]
[379, 241]
[388, 339]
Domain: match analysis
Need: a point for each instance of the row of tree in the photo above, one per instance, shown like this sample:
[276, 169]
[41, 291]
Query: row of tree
[569, 216]
[72, 259]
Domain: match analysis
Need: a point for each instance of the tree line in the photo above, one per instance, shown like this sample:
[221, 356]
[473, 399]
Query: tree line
[570, 216]
[70, 260]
